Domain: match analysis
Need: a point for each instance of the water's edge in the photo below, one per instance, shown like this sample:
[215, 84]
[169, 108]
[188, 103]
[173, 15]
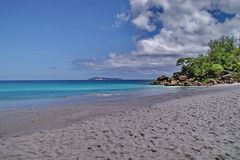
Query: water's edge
[31, 94]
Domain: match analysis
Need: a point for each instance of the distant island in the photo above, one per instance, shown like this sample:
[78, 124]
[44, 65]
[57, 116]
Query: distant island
[220, 65]
[103, 79]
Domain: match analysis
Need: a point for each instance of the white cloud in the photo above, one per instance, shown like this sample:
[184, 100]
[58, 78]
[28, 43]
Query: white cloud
[121, 18]
[231, 6]
[187, 26]
[186, 29]
[128, 61]
[143, 21]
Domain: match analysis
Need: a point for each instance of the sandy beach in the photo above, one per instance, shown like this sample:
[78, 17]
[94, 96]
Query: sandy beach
[200, 124]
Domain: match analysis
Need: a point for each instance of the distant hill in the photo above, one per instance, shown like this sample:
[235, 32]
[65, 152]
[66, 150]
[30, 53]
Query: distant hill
[103, 78]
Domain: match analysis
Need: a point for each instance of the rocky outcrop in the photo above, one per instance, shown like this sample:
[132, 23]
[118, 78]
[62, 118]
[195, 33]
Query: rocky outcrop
[163, 78]
[179, 79]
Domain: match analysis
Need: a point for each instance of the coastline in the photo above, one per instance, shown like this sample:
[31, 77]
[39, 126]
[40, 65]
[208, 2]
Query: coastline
[25, 121]
[193, 124]
[15, 122]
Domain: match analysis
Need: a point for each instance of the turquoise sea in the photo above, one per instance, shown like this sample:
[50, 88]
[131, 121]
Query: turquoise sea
[15, 94]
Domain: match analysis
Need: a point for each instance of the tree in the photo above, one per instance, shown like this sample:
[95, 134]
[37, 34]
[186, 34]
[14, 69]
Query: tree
[223, 54]
[215, 70]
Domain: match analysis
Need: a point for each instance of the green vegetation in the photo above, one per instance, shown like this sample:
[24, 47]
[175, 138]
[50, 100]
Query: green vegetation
[223, 56]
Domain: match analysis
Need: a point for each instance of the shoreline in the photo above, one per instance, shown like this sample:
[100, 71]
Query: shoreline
[200, 124]
[20, 121]
[24, 121]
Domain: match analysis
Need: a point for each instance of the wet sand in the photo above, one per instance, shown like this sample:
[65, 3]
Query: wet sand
[202, 124]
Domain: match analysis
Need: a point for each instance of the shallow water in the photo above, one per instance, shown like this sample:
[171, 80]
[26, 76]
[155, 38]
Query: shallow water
[15, 94]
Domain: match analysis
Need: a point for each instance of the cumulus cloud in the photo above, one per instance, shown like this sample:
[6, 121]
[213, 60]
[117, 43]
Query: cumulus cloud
[231, 6]
[143, 21]
[186, 27]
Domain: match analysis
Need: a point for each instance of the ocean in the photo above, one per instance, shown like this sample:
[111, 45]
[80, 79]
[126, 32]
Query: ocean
[16, 94]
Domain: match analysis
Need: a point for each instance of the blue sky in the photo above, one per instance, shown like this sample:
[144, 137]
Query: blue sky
[130, 39]
[40, 38]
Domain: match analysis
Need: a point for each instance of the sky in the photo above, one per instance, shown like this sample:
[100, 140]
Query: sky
[129, 39]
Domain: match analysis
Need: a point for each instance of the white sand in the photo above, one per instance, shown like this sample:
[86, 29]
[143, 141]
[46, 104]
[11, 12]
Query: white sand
[205, 126]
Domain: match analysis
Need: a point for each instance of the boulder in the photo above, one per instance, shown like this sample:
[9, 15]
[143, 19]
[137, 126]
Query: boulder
[219, 82]
[191, 79]
[167, 84]
[180, 84]
[158, 82]
[196, 83]
[212, 82]
[154, 83]
[183, 78]
[176, 75]
[187, 83]
[226, 77]
[174, 82]
[231, 81]
[179, 79]
[163, 78]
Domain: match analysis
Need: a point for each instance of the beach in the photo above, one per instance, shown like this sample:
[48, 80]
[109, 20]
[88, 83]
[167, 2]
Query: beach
[198, 124]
